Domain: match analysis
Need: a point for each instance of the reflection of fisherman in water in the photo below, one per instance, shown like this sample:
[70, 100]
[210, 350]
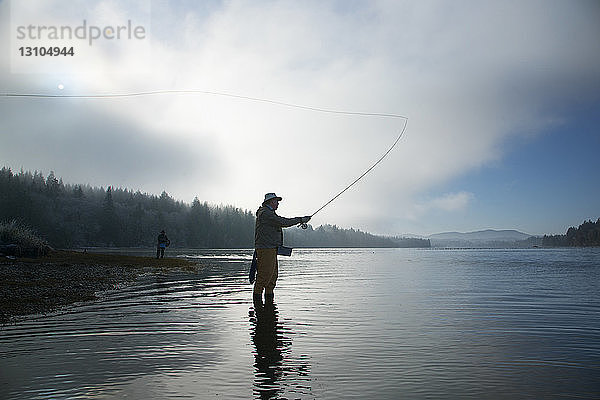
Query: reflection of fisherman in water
[272, 362]
[268, 358]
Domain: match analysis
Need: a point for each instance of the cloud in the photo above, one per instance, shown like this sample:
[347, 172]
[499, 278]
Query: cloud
[451, 201]
[467, 81]
[446, 203]
[84, 144]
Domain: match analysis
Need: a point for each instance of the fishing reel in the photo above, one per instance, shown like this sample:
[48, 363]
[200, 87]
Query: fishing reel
[304, 225]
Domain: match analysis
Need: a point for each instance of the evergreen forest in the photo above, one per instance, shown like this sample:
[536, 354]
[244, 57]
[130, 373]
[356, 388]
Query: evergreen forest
[585, 235]
[75, 215]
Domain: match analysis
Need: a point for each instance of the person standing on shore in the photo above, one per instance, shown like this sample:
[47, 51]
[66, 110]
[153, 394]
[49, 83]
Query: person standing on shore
[161, 245]
[268, 235]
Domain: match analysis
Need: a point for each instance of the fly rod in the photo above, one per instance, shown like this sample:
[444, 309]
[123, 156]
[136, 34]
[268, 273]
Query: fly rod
[304, 225]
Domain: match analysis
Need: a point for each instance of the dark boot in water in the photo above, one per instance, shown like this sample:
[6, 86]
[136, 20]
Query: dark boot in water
[269, 297]
[257, 298]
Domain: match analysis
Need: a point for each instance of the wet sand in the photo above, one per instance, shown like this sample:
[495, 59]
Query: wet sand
[46, 284]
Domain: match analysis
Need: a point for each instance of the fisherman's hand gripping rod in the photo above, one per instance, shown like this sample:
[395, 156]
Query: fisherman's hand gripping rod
[304, 225]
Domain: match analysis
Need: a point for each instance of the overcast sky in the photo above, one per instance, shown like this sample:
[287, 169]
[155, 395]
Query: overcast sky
[502, 100]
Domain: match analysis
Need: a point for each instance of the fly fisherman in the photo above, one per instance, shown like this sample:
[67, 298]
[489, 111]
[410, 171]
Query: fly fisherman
[268, 235]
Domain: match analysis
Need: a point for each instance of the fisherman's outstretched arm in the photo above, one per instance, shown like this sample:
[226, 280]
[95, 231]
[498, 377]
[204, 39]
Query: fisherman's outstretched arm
[276, 220]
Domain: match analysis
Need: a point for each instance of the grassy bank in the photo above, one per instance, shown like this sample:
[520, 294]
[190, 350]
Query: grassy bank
[60, 278]
[19, 240]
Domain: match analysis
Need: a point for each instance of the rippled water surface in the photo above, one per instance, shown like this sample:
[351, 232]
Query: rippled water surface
[359, 323]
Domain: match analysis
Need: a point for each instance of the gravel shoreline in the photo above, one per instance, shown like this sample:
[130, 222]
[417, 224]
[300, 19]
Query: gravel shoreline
[46, 284]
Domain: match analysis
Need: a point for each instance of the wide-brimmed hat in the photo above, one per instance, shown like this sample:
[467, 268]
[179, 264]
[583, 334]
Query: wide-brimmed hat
[270, 196]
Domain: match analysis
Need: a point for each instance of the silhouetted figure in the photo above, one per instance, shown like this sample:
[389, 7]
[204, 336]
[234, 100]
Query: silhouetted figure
[268, 235]
[162, 243]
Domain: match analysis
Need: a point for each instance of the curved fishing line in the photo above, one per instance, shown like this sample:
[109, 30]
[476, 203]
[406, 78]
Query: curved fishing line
[236, 96]
[368, 170]
[197, 91]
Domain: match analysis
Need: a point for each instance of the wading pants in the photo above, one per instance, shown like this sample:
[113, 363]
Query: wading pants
[266, 271]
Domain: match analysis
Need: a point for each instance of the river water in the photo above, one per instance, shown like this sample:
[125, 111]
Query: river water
[346, 323]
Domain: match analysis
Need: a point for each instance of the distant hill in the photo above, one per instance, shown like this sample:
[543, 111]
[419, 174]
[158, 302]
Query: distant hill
[488, 234]
[332, 236]
[485, 238]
